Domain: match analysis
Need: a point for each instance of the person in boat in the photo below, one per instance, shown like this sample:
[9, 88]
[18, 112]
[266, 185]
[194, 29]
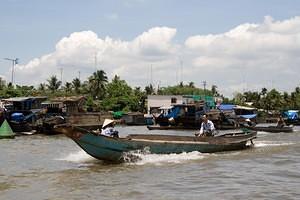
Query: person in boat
[280, 122]
[108, 128]
[248, 123]
[207, 127]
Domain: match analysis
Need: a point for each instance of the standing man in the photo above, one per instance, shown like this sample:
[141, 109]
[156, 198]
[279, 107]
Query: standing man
[207, 127]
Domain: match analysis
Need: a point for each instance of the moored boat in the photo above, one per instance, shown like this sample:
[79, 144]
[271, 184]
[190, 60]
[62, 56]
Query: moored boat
[115, 149]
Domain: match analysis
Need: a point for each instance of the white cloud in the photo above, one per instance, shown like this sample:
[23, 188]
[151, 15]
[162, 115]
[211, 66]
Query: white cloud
[248, 56]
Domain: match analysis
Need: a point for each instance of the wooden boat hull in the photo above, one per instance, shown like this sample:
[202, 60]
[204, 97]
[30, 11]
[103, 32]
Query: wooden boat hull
[118, 149]
[171, 128]
[155, 127]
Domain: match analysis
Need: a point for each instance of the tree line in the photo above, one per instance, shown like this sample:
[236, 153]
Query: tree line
[117, 95]
[271, 100]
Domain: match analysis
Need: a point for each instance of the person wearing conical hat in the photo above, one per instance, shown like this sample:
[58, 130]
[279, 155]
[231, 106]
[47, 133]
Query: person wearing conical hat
[108, 128]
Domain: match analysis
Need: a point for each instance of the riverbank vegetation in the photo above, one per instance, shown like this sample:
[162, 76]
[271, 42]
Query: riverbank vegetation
[117, 95]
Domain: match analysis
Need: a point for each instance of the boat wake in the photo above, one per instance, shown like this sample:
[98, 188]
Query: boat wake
[78, 157]
[271, 144]
[142, 158]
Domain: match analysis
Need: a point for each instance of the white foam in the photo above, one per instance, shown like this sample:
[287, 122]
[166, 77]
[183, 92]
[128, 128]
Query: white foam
[268, 143]
[158, 159]
[78, 157]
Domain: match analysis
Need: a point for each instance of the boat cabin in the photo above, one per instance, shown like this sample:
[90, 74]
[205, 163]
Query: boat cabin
[182, 114]
[237, 112]
[24, 103]
[134, 118]
[66, 105]
[291, 117]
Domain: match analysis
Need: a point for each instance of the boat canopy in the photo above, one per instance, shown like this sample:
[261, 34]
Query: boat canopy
[249, 116]
[226, 107]
[244, 107]
[291, 114]
[165, 107]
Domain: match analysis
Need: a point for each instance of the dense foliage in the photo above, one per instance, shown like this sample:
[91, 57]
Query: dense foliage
[117, 95]
[270, 100]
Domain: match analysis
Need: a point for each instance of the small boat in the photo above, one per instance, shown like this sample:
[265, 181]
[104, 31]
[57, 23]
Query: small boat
[117, 149]
[273, 129]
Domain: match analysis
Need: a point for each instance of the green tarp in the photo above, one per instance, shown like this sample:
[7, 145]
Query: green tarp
[210, 101]
[118, 114]
[6, 131]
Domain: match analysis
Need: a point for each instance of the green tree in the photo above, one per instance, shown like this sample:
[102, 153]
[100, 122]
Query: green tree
[97, 83]
[214, 91]
[192, 84]
[119, 96]
[76, 85]
[149, 89]
[42, 87]
[68, 87]
[53, 84]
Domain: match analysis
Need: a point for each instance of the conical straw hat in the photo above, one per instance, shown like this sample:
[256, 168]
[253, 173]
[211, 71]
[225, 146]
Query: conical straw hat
[107, 122]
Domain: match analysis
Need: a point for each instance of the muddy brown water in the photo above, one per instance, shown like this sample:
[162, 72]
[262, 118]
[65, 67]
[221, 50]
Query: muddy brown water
[54, 167]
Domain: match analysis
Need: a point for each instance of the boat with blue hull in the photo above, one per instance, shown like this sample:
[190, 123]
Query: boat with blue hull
[117, 149]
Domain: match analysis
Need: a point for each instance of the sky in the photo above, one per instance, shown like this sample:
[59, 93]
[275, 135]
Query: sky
[238, 45]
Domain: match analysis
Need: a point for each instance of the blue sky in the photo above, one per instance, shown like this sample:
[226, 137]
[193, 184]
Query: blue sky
[31, 28]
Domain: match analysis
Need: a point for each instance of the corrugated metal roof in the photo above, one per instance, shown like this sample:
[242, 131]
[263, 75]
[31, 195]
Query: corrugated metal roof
[68, 99]
[20, 99]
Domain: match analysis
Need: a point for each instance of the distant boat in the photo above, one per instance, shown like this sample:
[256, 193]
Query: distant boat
[291, 117]
[6, 131]
[137, 118]
[116, 149]
[188, 116]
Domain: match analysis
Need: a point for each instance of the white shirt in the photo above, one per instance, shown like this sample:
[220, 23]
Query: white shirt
[107, 131]
[209, 126]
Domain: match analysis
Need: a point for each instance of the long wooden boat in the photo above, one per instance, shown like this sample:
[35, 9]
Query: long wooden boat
[116, 149]
[273, 129]
[157, 127]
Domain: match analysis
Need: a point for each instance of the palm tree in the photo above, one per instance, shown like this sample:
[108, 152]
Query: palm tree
[191, 84]
[214, 90]
[149, 89]
[76, 84]
[53, 84]
[42, 87]
[68, 87]
[297, 90]
[263, 91]
[97, 84]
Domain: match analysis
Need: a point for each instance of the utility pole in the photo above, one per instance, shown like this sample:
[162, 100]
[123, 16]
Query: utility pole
[14, 62]
[79, 75]
[96, 62]
[204, 86]
[151, 77]
[181, 64]
[61, 75]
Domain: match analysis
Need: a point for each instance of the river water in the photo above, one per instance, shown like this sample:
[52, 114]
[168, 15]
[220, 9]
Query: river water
[54, 167]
